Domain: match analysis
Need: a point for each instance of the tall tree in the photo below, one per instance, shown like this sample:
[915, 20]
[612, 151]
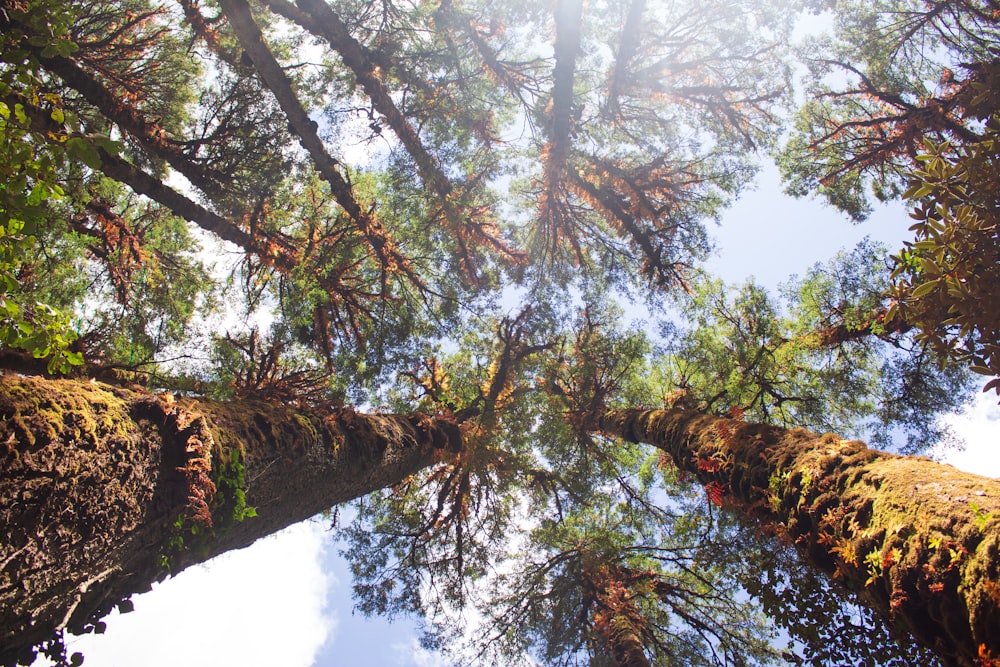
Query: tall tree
[107, 490]
[899, 107]
[893, 73]
[382, 193]
[902, 531]
[568, 475]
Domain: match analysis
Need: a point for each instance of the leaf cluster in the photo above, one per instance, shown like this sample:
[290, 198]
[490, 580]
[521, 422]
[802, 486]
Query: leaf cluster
[892, 73]
[946, 282]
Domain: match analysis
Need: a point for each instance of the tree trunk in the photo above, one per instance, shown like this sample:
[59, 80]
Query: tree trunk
[105, 490]
[625, 642]
[616, 617]
[919, 540]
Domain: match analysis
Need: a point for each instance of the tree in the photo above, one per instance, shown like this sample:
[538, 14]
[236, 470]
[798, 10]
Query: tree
[108, 489]
[626, 578]
[830, 355]
[917, 123]
[600, 165]
[946, 280]
[899, 529]
[408, 557]
[893, 73]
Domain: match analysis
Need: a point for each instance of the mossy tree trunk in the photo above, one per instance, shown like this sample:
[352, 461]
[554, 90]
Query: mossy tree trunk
[919, 540]
[105, 490]
[615, 617]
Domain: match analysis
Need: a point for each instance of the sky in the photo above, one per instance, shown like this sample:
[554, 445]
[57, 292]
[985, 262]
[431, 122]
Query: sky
[286, 599]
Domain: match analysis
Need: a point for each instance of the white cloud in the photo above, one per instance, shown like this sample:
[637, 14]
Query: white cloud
[978, 427]
[260, 606]
[411, 653]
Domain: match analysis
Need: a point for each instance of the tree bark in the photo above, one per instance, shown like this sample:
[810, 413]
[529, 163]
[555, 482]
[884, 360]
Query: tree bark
[616, 618]
[105, 490]
[625, 641]
[559, 123]
[919, 540]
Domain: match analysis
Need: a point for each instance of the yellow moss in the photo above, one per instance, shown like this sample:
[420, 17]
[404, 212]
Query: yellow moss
[305, 426]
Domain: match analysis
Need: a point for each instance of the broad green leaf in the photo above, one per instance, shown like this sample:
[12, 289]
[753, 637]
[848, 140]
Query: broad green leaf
[924, 289]
[82, 150]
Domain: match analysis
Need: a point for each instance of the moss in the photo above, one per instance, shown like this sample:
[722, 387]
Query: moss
[916, 539]
[82, 413]
[282, 430]
[79, 474]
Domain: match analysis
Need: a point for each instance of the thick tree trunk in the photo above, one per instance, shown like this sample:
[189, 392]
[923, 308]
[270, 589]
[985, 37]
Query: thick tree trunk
[626, 643]
[105, 490]
[919, 540]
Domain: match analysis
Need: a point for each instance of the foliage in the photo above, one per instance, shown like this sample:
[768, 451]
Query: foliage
[58, 213]
[30, 182]
[947, 282]
[422, 545]
[833, 359]
[665, 575]
[377, 204]
[825, 625]
[892, 73]
[228, 506]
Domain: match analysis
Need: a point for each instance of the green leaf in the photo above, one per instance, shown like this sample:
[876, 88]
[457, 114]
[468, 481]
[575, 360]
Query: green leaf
[109, 146]
[924, 289]
[81, 150]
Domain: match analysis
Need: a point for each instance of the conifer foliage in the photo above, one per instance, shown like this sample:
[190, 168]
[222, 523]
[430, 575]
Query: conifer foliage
[293, 254]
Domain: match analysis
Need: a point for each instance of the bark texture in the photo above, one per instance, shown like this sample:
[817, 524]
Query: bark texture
[626, 643]
[919, 540]
[105, 490]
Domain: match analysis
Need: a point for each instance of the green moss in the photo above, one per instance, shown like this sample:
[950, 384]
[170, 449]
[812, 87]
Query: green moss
[305, 427]
[78, 413]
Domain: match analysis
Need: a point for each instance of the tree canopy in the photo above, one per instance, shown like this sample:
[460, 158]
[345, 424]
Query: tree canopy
[440, 209]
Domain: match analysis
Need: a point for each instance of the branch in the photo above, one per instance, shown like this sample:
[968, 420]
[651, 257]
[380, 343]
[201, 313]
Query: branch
[273, 76]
